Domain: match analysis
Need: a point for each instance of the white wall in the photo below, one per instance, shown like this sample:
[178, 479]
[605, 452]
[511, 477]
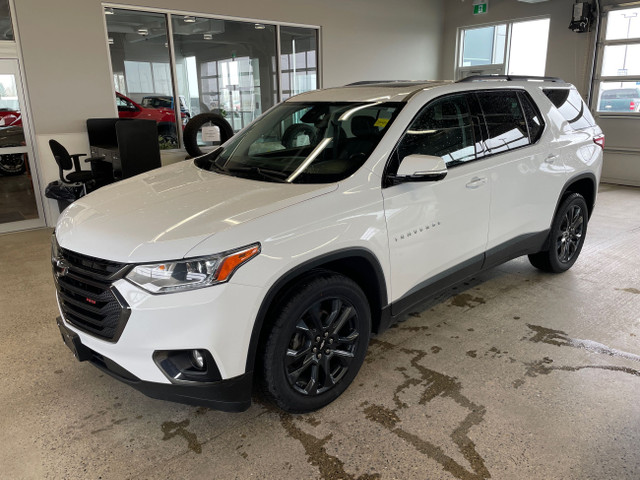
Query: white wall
[569, 54]
[67, 64]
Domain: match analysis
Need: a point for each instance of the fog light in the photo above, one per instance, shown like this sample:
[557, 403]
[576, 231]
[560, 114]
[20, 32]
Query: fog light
[190, 365]
[198, 359]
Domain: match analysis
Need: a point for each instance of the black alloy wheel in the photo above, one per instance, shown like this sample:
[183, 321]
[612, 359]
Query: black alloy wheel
[566, 238]
[322, 346]
[317, 343]
[13, 164]
[570, 233]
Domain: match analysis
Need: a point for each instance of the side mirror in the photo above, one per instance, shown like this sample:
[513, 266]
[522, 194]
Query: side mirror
[421, 168]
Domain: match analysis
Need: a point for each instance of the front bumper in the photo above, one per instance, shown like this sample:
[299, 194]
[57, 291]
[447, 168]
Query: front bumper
[218, 319]
[230, 395]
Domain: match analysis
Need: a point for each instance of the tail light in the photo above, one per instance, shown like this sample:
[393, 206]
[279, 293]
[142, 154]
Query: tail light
[599, 140]
[632, 106]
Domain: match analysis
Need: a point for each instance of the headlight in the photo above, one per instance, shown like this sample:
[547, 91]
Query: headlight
[193, 273]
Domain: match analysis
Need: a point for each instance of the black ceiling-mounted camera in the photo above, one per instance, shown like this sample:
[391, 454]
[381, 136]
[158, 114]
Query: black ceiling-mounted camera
[582, 16]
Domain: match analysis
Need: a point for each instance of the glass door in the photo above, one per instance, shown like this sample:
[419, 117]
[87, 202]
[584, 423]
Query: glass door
[20, 201]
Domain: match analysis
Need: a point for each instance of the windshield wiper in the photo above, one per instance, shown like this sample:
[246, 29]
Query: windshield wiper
[208, 161]
[217, 168]
[274, 175]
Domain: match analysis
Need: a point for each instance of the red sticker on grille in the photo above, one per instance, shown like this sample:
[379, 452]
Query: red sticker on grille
[92, 302]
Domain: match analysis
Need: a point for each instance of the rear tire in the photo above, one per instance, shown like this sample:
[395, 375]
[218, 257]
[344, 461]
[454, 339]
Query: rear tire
[317, 343]
[566, 238]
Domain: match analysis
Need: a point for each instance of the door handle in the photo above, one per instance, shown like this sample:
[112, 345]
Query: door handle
[476, 182]
[551, 158]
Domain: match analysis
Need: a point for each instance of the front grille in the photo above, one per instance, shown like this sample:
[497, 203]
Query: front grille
[86, 296]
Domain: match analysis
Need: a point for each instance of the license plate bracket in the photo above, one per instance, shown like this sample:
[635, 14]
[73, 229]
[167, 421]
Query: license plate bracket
[72, 340]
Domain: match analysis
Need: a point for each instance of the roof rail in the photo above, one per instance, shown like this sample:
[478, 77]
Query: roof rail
[374, 82]
[509, 78]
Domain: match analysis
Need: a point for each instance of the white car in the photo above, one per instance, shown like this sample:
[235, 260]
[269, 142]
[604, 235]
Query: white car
[277, 255]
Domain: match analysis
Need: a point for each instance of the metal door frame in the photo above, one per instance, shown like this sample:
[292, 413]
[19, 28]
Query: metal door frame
[11, 66]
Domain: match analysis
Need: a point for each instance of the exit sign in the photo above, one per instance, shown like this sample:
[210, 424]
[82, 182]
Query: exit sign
[479, 8]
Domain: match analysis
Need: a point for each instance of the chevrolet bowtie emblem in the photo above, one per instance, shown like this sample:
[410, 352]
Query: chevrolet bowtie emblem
[62, 267]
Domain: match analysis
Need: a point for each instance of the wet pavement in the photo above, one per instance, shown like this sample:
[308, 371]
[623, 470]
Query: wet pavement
[514, 374]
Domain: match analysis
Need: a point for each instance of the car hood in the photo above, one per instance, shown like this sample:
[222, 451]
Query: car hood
[162, 214]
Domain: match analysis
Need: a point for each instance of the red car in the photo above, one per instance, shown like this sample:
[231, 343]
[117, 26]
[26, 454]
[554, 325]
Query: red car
[10, 118]
[165, 117]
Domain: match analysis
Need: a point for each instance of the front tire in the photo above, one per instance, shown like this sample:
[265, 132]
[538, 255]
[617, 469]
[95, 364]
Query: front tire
[317, 343]
[566, 238]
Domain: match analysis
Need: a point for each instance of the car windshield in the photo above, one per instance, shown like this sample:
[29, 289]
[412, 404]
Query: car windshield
[299, 142]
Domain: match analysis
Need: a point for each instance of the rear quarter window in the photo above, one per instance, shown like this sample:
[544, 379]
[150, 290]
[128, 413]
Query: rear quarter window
[571, 106]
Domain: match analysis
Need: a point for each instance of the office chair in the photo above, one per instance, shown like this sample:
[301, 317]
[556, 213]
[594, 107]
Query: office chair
[66, 161]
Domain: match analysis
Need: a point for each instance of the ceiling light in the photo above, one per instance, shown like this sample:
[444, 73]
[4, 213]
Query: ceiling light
[108, 11]
[143, 31]
[189, 19]
[259, 26]
[208, 36]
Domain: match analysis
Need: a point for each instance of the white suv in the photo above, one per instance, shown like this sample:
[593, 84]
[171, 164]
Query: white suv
[277, 255]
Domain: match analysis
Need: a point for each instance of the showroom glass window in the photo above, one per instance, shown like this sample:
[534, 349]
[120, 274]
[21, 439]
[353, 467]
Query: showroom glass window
[141, 67]
[484, 45]
[620, 70]
[225, 67]
[513, 48]
[229, 67]
[6, 28]
[298, 60]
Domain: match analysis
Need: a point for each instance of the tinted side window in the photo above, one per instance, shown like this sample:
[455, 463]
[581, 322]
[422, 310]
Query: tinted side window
[533, 117]
[443, 129]
[479, 127]
[506, 126]
[569, 102]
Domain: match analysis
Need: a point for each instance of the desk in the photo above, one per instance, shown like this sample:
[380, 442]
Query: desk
[130, 146]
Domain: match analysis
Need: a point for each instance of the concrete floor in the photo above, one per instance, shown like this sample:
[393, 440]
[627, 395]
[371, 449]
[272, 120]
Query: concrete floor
[515, 375]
